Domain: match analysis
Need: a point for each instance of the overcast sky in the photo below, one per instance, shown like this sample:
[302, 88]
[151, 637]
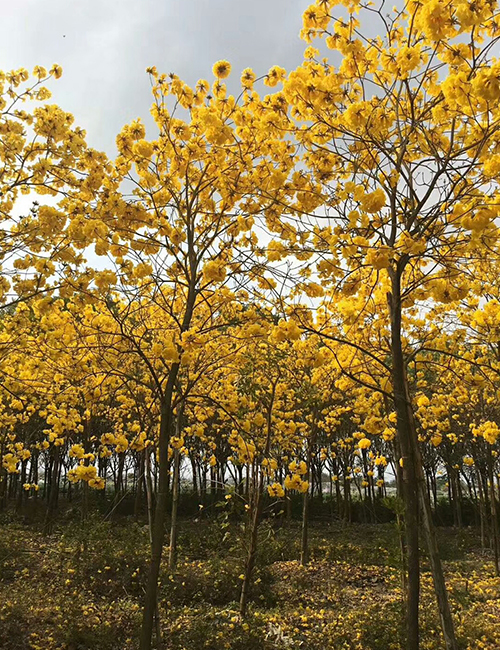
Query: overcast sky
[105, 46]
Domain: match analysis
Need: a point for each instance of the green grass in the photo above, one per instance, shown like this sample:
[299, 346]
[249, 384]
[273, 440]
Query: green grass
[82, 587]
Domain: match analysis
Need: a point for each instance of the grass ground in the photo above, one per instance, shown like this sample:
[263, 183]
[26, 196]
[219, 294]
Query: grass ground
[81, 589]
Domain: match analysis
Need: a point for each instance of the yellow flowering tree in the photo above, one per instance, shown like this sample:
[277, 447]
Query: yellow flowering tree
[43, 155]
[181, 238]
[407, 170]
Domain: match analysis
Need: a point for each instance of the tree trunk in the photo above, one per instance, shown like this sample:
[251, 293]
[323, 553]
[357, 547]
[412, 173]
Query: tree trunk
[52, 493]
[288, 506]
[304, 547]
[150, 602]
[34, 473]
[338, 496]
[255, 511]
[415, 487]
[194, 473]
[139, 482]
[3, 480]
[457, 497]
[410, 488]
[149, 492]
[252, 547]
[347, 500]
[493, 507]
[172, 555]
[434, 490]
[437, 570]
[482, 507]
[22, 481]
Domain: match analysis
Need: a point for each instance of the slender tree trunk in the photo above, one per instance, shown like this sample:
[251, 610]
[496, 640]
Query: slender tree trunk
[252, 547]
[482, 509]
[402, 551]
[47, 460]
[203, 482]
[59, 482]
[437, 571]
[471, 488]
[120, 487]
[149, 498]
[415, 487]
[450, 497]
[149, 492]
[319, 469]
[493, 507]
[150, 603]
[139, 482]
[22, 481]
[434, 490]
[255, 512]
[457, 497]
[213, 484]
[172, 555]
[347, 500]
[194, 472]
[52, 493]
[240, 486]
[428, 483]
[304, 549]
[330, 492]
[34, 473]
[338, 497]
[247, 482]
[3, 480]
[85, 502]
[410, 488]
[288, 506]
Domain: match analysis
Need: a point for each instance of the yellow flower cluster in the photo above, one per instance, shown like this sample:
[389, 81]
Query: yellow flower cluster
[286, 330]
[295, 482]
[298, 467]
[214, 271]
[77, 451]
[276, 490]
[9, 462]
[177, 442]
[374, 201]
[487, 430]
[88, 474]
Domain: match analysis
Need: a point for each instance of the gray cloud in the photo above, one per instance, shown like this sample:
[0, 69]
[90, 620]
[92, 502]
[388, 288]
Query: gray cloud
[105, 46]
